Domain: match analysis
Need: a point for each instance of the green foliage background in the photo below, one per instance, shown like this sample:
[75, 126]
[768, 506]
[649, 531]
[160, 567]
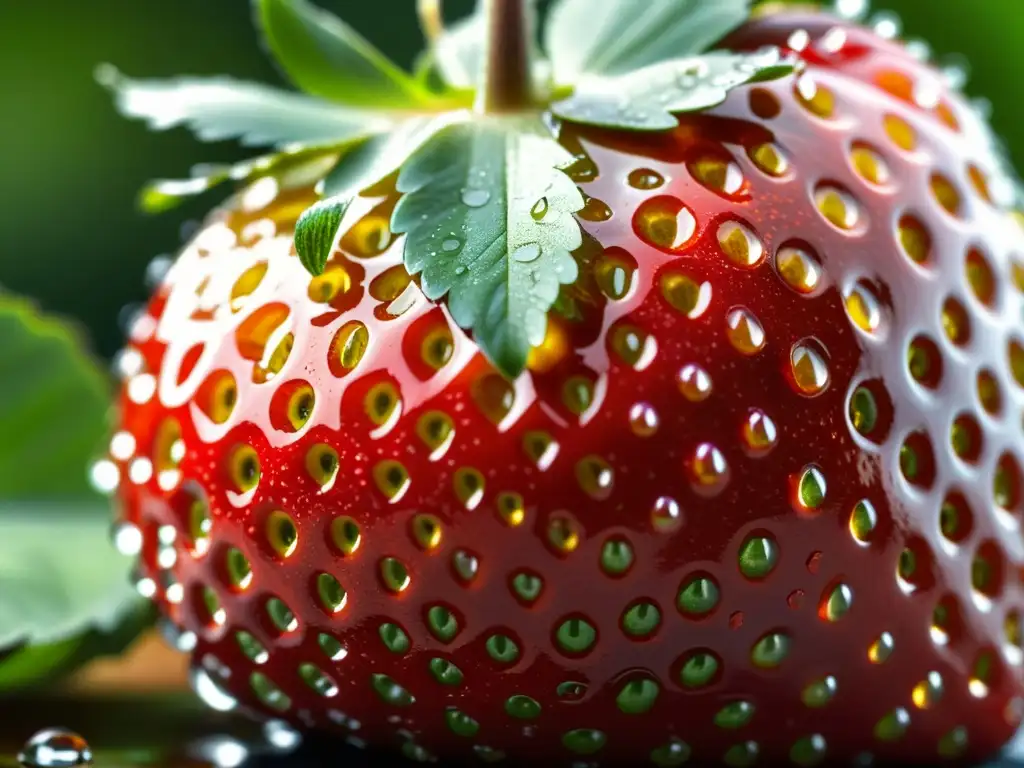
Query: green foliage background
[69, 233]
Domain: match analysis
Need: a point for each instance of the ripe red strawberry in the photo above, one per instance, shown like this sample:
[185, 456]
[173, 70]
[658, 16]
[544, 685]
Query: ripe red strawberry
[757, 499]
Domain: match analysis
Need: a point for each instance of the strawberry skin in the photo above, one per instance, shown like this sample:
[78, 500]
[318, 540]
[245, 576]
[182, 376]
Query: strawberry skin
[759, 499]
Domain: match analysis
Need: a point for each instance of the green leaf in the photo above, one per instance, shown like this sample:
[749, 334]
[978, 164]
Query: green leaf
[613, 37]
[488, 219]
[325, 57]
[647, 99]
[63, 589]
[221, 108]
[316, 230]
[59, 575]
[294, 167]
[458, 53]
[361, 167]
[54, 404]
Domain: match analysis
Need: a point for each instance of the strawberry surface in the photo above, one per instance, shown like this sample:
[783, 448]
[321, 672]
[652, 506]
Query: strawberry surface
[758, 498]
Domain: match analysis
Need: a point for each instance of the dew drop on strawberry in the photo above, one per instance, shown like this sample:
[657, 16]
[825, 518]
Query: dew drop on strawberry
[758, 498]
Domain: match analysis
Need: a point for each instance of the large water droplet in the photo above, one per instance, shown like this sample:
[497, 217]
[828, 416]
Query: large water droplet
[526, 253]
[55, 748]
[540, 209]
[476, 198]
[451, 245]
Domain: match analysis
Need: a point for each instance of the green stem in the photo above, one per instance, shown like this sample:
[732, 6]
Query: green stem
[505, 82]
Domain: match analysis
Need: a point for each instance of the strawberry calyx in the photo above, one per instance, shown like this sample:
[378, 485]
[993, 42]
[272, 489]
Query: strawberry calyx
[362, 120]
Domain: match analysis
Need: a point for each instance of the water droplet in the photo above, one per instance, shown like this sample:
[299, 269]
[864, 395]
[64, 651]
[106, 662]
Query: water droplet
[526, 253]
[684, 294]
[55, 748]
[708, 471]
[665, 223]
[759, 433]
[643, 419]
[740, 244]
[799, 268]
[595, 210]
[451, 244]
[719, 174]
[769, 158]
[614, 272]
[809, 369]
[744, 331]
[475, 198]
[645, 178]
[210, 691]
[863, 520]
[539, 209]
[837, 206]
[758, 557]
[694, 382]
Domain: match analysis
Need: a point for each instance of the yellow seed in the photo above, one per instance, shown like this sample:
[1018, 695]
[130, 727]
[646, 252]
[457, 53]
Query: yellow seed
[769, 158]
[740, 244]
[345, 535]
[426, 531]
[863, 308]
[222, 399]
[382, 403]
[578, 394]
[349, 346]
[168, 448]
[881, 649]
[494, 396]
[370, 236]
[635, 347]
[390, 284]
[979, 182]
[945, 194]
[837, 206]
[282, 534]
[900, 132]
[469, 486]
[870, 165]
[322, 465]
[563, 533]
[595, 477]
[915, 240]
[540, 448]
[266, 370]
[392, 479]
[717, 174]
[665, 223]
[437, 431]
[927, 692]
[814, 97]
[511, 509]
[708, 467]
[300, 406]
[799, 269]
[246, 284]
[437, 347]
[245, 468]
[324, 288]
[684, 294]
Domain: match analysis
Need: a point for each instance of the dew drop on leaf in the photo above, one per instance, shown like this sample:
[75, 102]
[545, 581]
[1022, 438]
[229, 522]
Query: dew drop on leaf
[55, 748]
[526, 253]
[476, 198]
[540, 209]
[451, 245]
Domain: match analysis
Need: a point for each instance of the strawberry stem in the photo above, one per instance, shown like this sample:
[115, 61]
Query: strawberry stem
[505, 83]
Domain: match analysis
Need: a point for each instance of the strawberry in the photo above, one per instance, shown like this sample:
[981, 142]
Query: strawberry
[755, 496]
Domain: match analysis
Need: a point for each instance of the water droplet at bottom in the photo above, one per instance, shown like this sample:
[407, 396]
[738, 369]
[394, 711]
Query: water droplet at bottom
[55, 748]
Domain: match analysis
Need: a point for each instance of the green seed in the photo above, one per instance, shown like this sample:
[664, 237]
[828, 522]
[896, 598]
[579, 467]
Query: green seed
[442, 623]
[863, 411]
[445, 672]
[584, 741]
[616, 557]
[863, 520]
[770, 650]
[575, 636]
[893, 725]
[502, 649]
[527, 586]
[819, 692]
[699, 669]
[522, 707]
[809, 750]
[460, 723]
[734, 715]
[391, 692]
[812, 488]
[698, 596]
[394, 637]
[675, 752]
[641, 620]
[758, 557]
[637, 696]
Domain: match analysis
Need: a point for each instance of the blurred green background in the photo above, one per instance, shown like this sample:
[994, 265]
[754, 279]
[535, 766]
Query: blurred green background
[70, 167]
